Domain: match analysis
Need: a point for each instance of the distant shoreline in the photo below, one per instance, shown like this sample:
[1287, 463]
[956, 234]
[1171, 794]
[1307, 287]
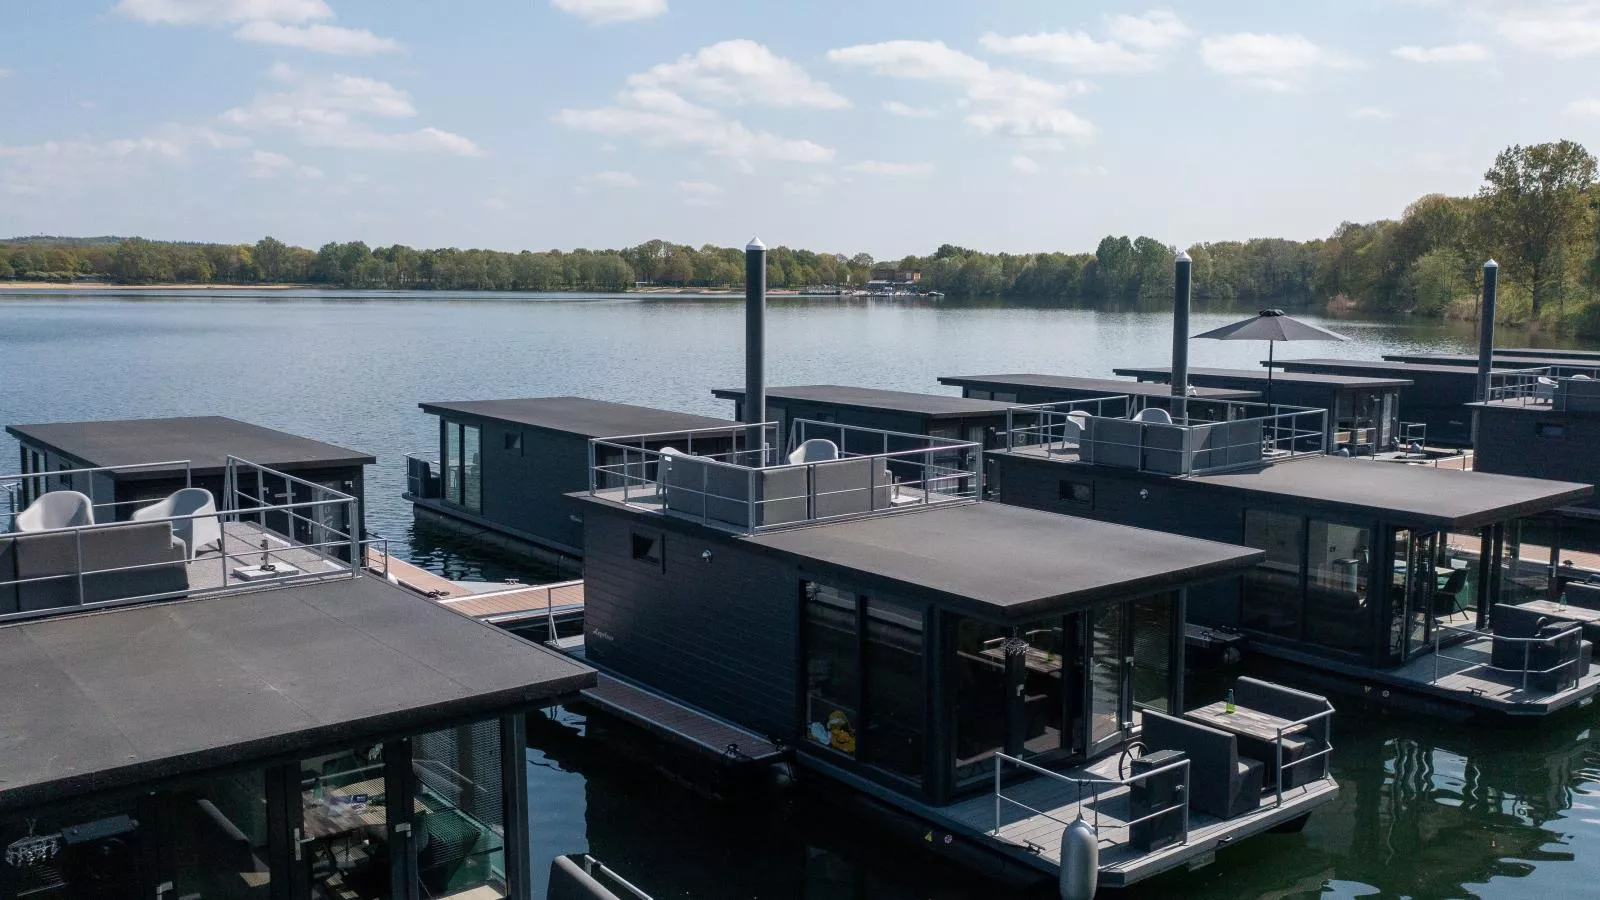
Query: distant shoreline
[25, 286]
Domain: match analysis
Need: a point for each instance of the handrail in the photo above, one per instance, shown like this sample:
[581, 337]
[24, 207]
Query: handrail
[1094, 783]
[1286, 728]
[592, 865]
[11, 483]
[1527, 650]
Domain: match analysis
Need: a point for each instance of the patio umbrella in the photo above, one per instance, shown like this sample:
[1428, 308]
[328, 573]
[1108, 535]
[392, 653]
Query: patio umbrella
[1271, 325]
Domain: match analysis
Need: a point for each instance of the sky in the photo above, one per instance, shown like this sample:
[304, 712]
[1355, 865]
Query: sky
[884, 126]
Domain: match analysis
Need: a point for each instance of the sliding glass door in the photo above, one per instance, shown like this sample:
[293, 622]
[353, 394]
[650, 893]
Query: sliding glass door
[461, 450]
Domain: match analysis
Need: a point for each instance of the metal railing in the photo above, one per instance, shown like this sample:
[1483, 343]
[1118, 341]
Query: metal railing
[1095, 785]
[1285, 730]
[1409, 433]
[595, 867]
[260, 543]
[1542, 385]
[734, 478]
[1231, 434]
[23, 488]
[423, 475]
[1528, 645]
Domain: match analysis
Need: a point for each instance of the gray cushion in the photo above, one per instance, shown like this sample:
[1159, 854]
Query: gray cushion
[1218, 784]
[54, 558]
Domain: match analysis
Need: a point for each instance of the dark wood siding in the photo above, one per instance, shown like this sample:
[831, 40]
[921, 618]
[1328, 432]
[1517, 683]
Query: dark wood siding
[721, 635]
[1519, 441]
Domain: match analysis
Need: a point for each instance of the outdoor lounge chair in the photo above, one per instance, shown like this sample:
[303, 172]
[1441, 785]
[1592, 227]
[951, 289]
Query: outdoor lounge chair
[56, 509]
[1293, 706]
[189, 501]
[815, 450]
[1154, 414]
[1220, 783]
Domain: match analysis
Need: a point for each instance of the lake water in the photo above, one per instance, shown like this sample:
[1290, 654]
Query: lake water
[1426, 811]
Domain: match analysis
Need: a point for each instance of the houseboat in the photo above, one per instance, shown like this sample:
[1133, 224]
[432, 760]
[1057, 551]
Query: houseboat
[1433, 409]
[138, 461]
[989, 674]
[503, 468]
[1363, 411]
[935, 415]
[202, 705]
[1545, 422]
[1030, 389]
[1501, 359]
[1413, 586]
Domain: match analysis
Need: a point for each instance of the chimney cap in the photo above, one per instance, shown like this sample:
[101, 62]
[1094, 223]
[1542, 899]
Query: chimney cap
[1183, 256]
[755, 244]
[1491, 264]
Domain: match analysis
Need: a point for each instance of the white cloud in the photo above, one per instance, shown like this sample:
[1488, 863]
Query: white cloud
[1588, 106]
[1564, 29]
[221, 12]
[605, 12]
[700, 193]
[613, 179]
[321, 38]
[661, 118]
[739, 72]
[265, 164]
[1451, 53]
[1025, 165]
[71, 167]
[998, 100]
[329, 111]
[1371, 112]
[808, 188]
[1136, 44]
[1091, 171]
[282, 23]
[896, 108]
[876, 167]
[1274, 62]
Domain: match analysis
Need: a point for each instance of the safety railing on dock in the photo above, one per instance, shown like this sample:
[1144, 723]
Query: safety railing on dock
[736, 478]
[423, 477]
[1292, 728]
[1569, 636]
[1561, 388]
[1095, 786]
[96, 484]
[272, 529]
[1127, 432]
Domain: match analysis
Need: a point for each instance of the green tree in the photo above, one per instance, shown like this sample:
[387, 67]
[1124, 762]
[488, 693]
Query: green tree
[1535, 203]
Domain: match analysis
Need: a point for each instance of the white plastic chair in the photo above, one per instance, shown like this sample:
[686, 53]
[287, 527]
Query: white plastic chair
[190, 501]
[1154, 414]
[815, 450]
[1581, 378]
[56, 509]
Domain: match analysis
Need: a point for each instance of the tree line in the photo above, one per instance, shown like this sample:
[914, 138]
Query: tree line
[1537, 211]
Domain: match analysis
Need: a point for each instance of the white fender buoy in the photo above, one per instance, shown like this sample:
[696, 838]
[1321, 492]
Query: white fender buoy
[1080, 861]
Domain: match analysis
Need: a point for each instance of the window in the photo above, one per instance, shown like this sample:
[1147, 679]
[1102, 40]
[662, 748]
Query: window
[1077, 492]
[895, 688]
[833, 674]
[1272, 590]
[975, 394]
[981, 691]
[647, 549]
[1154, 629]
[1338, 565]
[514, 442]
[463, 465]
[1005, 396]
[1551, 429]
[66, 480]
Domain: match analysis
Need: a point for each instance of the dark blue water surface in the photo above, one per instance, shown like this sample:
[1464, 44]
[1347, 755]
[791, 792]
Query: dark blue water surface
[1425, 810]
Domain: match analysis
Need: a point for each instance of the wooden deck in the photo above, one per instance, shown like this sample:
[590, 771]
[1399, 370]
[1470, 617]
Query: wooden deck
[513, 604]
[415, 578]
[1035, 834]
[1463, 674]
[677, 722]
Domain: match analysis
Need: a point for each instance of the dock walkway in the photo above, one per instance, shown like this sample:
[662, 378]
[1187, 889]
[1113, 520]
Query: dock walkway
[677, 722]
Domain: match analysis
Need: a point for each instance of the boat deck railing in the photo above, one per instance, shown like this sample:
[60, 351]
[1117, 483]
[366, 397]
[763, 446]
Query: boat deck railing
[1130, 432]
[269, 529]
[1528, 644]
[1562, 387]
[1096, 786]
[736, 477]
[423, 476]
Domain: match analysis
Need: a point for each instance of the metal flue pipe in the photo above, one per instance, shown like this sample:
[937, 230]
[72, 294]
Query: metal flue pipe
[1491, 287]
[1180, 336]
[755, 343]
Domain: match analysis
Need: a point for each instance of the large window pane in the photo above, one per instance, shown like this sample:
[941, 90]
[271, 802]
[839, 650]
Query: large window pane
[452, 462]
[1043, 702]
[41, 863]
[472, 468]
[1107, 673]
[460, 824]
[832, 673]
[219, 837]
[896, 689]
[1337, 614]
[1153, 627]
[1399, 601]
[981, 698]
[1460, 578]
[1272, 596]
[1528, 562]
[344, 828]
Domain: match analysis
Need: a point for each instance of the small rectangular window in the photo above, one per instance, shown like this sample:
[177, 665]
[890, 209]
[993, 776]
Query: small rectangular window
[647, 549]
[1005, 396]
[514, 441]
[1551, 429]
[975, 394]
[1077, 492]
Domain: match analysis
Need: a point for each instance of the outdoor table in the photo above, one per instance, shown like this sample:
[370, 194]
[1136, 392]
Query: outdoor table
[1244, 722]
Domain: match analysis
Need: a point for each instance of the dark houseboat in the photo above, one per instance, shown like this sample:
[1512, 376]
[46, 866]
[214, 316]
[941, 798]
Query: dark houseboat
[1437, 398]
[1363, 411]
[201, 705]
[1502, 359]
[936, 415]
[503, 467]
[982, 672]
[1436, 587]
[1030, 389]
[1545, 422]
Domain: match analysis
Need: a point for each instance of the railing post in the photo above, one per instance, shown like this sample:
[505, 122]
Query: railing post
[1186, 774]
[77, 543]
[996, 794]
[355, 537]
[1278, 751]
[1527, 651]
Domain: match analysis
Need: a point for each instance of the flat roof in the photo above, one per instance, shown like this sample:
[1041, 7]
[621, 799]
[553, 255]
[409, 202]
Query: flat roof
[1548, 351]
[1376, 365]
[933, 406]
[578, 415]
[120, 698]
[1111, 387]
[1008, 561]
[1254, 376]
[206, 441]
[1447, 497]
[1501, 360]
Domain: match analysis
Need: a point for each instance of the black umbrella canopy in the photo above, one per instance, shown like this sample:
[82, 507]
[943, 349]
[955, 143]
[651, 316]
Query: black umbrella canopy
[1271, 325]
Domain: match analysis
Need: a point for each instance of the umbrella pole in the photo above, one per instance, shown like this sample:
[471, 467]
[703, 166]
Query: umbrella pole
[1270, 345]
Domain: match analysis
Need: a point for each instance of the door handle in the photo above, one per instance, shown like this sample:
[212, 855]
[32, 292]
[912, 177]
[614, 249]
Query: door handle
[300, 840]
